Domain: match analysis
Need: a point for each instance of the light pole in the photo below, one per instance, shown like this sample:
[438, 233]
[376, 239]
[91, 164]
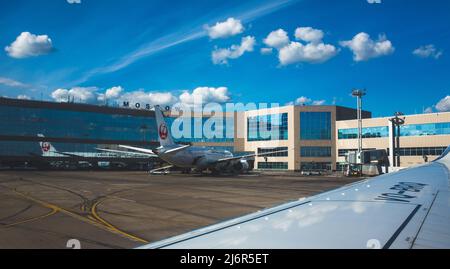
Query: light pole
[396, 123]
[359, 94]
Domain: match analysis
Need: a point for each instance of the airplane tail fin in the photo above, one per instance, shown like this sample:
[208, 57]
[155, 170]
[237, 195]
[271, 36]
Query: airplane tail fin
[164, 135]
[46, 147]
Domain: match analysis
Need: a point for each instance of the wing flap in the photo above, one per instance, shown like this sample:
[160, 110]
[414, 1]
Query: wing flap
[148, 151]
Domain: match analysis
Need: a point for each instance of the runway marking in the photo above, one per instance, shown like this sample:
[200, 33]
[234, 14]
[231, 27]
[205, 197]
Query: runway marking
[93, 220]
[52, 212]
[112, 227]
[123, 199]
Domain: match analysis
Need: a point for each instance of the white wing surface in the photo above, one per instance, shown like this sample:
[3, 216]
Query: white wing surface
[405, 209]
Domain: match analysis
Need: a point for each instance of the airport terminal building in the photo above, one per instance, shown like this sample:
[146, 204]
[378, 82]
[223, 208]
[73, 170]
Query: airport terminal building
[317, 137]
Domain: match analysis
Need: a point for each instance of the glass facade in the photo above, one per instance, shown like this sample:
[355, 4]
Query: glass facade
[22, 121]
[267, 127]
[315, 151]
[84, 130]
[278, 154]
[368, 132]
[315, 125]
[273, 165]
[425, 129]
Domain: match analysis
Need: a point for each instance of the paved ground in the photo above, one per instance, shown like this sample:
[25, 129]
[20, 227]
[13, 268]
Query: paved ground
[128, 209]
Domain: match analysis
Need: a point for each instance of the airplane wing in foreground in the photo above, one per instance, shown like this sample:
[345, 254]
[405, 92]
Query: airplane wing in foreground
[405, 209]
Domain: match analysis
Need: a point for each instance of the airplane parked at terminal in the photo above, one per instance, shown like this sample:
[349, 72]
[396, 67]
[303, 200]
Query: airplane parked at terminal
[86, 159]
[193, 157]
[408, 209]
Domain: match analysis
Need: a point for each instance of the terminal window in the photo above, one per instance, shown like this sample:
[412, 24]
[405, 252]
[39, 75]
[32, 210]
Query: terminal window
[267, 127]
[315, 125]
[273, 165]
[368, 132]
[426, 151]
[277, 154]
[442, 128]
[315, 151]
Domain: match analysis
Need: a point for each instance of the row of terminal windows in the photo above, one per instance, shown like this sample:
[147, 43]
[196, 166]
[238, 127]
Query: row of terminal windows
[427, 129]
[284, 152]
[433, 151]
[273, 165]
[368, 132]
[267, 127]
[304, 166]
[315, 151]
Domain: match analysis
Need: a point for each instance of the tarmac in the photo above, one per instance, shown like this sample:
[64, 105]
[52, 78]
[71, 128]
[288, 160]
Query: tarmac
[106, 209]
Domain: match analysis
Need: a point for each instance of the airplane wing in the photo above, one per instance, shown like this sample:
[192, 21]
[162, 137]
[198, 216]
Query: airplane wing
[251, 155]
[169, 151]
[148, 151]
[70, 155]
[405, 209]
[127, 152]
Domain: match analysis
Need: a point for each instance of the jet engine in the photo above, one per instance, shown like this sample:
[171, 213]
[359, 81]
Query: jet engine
[240, 166]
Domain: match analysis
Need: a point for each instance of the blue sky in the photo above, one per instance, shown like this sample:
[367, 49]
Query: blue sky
[157, 51]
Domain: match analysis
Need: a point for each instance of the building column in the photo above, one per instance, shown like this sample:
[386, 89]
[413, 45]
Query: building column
[391, 144]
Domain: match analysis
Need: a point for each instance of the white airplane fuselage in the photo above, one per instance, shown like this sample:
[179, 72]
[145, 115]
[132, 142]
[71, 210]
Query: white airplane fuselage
[193, 157]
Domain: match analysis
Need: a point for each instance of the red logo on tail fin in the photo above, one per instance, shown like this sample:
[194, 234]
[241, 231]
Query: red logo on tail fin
[163, 132]
[45, 146]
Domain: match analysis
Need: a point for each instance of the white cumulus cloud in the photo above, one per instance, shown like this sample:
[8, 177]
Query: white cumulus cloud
[296, 52]
[374, 1]
[302, 100]
[74, 1]
[364, 48]
[205, 95]
[225, 29]
[266, 51]
[77, 94]
[318, 103]
[29, 45]
[428, 51]
[444, 104]
[309, 34]
[312, 50]
[117, 94]
[23, 97]
[152, 98]
[110, 94]
[221, 56]
[277, 39]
